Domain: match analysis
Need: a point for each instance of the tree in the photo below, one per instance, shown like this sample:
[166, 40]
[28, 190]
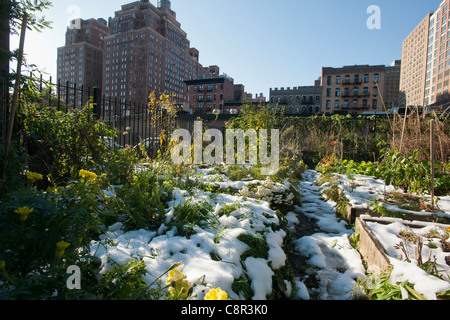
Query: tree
[21, 15]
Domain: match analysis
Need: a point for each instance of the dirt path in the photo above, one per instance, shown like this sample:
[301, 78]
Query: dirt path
[322, 249]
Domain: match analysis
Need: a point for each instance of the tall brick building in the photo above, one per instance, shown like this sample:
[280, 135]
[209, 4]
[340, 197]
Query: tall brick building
[80, 61]
[214, 95]
[360, 88]
[139, 50]
[148, 51]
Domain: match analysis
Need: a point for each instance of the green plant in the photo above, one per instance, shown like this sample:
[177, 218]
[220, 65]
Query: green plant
[120, 165]
[229, 208]
[242, 286]
[60, 144]
[45, 232]
[379, 287]
[125, 282]
[257, 244]
[142, 201]
[190, 214]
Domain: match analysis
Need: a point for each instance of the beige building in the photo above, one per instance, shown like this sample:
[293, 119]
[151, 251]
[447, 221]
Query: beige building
[357, 89]
[426, 60]
[414, 64]
[438, 60]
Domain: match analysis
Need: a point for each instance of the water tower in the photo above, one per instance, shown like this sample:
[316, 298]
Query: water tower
[163, 3]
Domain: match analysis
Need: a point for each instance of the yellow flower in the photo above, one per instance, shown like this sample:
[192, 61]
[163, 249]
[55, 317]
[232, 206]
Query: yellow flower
[87, 175]
[24, 212]
[181, 289]
[175, 275]
[216, 294]
[33, 176]
[60, 248]
[448, 229]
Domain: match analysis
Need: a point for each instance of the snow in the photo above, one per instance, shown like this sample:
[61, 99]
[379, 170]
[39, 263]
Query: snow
[259, 272]
[212, 255]
[163, 248]
[359, 190]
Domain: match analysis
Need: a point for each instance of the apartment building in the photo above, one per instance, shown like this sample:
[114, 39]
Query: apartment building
[80, 60]
[438, 57]
[392, 96]
[354, 89]
[214, 95]
[298, 100]
[414, 64]
[148, 51]
[425, 73]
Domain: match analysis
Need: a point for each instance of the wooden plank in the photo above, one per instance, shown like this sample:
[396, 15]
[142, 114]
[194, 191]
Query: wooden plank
[371, 249]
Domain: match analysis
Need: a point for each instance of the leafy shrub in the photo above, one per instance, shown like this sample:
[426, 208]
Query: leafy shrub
[60, 144]
[45, 232]
[125, 282]
[142, 201]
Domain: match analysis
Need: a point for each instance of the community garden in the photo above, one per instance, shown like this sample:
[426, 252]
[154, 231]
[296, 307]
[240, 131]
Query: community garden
[86, 217]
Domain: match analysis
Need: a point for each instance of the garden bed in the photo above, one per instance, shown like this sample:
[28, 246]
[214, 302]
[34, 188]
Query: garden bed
[417, 252]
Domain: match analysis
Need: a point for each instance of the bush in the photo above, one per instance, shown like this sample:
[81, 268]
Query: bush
[45, 232]
[60, 144]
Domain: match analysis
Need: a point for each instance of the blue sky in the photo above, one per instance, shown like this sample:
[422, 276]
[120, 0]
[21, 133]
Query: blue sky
[262, 44]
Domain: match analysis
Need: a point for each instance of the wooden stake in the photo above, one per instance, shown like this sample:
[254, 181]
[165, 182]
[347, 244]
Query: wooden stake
[16, 91]
[432, 161]
[403, 130]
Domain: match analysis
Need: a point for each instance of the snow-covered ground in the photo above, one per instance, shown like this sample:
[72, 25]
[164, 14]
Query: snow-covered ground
[212, 255]
[360, 190]
[339, 264]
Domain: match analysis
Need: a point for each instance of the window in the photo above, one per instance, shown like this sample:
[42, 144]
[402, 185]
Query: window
[328, 104]
[355, 92]
[346, 104]
[374, 104]
[338, 79]
[338, 92]
[329, 80]
[366, 78]
[336, 104]
[355, 104]
[347, 79]
[357, 78]
[376, 77]
[328, 92]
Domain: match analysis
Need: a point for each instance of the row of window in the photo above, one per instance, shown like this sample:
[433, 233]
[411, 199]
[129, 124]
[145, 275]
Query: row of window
[303, 109]
[299, 99]
[356, 92]
[356, 79]
[201, 88]
[209, 97]
[354, 104]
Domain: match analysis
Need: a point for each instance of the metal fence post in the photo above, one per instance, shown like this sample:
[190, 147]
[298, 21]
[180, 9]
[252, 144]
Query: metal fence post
[97, 97]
